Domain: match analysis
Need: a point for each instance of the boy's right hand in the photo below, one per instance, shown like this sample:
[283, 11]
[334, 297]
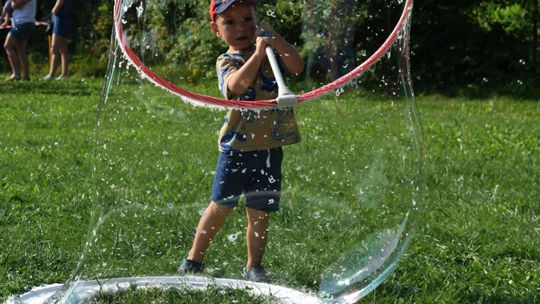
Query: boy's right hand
[261, 44]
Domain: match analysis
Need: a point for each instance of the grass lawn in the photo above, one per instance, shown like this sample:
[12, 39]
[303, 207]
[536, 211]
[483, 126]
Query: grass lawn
[478, 239]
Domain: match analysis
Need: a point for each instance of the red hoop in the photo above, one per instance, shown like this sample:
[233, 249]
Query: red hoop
[213, 101]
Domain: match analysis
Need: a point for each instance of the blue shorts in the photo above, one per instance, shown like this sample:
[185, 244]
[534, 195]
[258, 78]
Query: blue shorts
[62, 25]
[256, 174]
[22, 31]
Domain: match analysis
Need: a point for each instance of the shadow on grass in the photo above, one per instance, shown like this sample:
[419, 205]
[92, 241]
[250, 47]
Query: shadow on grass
[75, 87]
[517, 90]
[477, 296]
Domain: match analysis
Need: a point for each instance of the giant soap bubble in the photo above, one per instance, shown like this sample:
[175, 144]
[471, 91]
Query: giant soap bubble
[351, 188]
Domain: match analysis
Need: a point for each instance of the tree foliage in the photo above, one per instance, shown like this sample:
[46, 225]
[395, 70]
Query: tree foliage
[475, 43]
[478, 44]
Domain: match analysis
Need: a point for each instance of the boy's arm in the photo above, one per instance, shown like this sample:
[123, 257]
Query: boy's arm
[16, 4]
[242, 79]
[288, 53]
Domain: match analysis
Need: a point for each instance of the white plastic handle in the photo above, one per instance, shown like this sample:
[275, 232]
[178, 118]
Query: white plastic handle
[285, 96]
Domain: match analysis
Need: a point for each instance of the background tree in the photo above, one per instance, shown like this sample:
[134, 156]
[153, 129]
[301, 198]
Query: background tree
[516, 18]
[478, 46]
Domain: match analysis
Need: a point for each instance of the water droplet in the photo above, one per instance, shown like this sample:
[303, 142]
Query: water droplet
[519, 82]
[140, 10]
[522, 62]
[232, 237]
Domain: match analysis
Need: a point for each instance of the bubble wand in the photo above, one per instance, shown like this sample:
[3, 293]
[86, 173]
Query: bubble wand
[120, 8]
[286, 97]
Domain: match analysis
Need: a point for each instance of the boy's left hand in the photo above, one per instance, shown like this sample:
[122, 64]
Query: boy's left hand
[265, 29]
[265, 26]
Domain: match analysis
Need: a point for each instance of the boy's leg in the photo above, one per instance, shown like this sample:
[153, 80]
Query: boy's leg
[209, 224]
[262, 198]
[256, 236]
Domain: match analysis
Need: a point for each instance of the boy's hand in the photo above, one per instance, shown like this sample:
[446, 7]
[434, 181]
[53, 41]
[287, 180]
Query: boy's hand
[266, 27]
[261, 44]
[288, 53]
[265, 37]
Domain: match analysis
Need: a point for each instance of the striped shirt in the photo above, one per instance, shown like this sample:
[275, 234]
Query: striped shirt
[251, 130]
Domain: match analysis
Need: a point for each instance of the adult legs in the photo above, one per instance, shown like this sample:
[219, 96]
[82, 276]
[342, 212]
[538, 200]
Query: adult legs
[10, 45]
[23, 58]
[59, 53]
[63, 49]
[256, 236]
[213, 218]
[55, 59]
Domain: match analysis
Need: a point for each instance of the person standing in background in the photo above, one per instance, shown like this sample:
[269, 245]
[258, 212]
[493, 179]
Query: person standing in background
[62, 23]
[22, 20]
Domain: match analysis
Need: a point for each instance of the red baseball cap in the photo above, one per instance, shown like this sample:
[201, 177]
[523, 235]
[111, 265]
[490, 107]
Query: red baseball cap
[219, 6]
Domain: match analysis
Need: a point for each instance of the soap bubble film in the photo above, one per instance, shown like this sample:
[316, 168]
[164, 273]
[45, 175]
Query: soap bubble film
[351, 189]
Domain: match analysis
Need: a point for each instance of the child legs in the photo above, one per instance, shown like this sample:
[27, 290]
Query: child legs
[256, 236]
[209, 224]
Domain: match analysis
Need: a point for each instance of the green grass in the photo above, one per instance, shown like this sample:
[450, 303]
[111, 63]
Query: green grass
[478, 239]
[183, 296]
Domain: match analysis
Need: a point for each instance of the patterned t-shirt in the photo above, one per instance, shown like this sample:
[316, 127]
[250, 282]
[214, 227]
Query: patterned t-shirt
[250, 130]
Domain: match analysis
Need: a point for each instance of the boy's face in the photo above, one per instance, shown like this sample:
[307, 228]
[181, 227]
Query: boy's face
[237, 26]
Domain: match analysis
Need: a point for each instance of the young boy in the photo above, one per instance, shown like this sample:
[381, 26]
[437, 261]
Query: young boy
[250, 141]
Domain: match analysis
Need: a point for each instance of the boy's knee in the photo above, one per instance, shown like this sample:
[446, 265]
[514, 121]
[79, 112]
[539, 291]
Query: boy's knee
[221, 207]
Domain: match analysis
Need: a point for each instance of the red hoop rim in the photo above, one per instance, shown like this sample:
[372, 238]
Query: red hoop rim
[201, 99]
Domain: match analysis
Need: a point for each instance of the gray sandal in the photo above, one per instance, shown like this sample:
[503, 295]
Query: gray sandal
[256, 274]
[190, 267]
